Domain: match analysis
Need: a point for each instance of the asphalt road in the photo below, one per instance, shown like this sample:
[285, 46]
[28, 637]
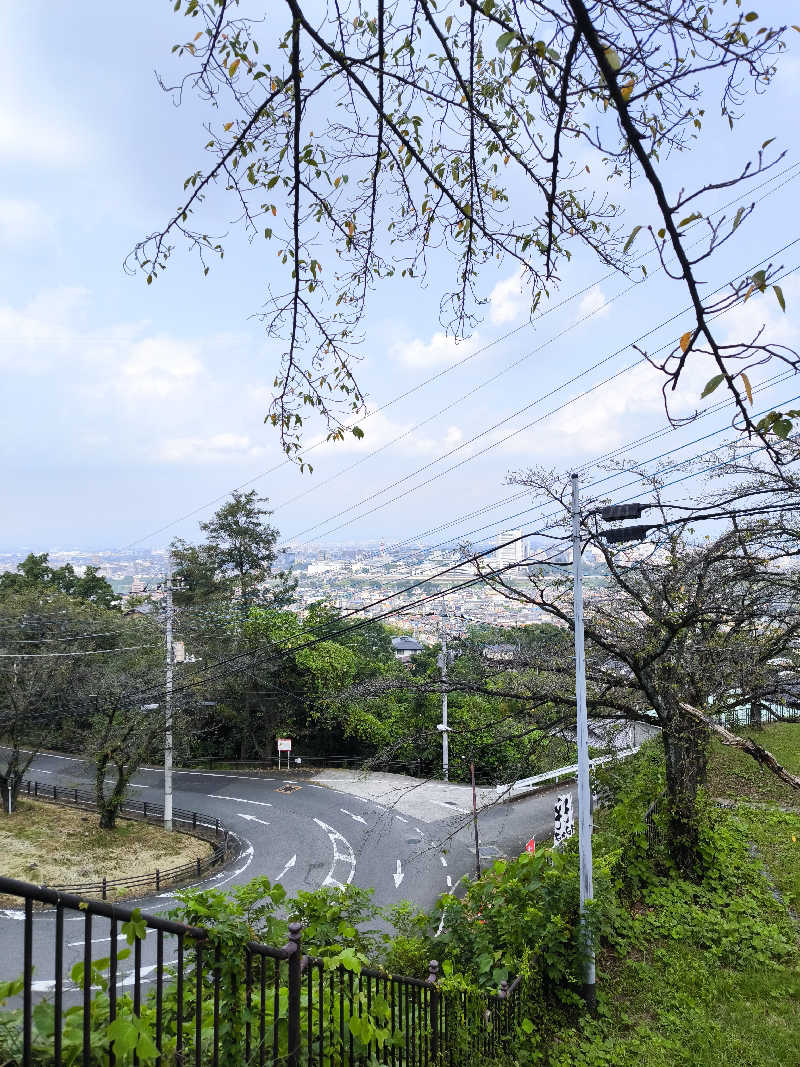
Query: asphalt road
[310, 837]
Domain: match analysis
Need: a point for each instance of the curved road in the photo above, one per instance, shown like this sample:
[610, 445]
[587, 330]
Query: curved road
[305, 838]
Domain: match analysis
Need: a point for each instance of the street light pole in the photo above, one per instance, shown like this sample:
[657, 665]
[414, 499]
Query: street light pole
[443, 727]
[168, 701]
[584, 788]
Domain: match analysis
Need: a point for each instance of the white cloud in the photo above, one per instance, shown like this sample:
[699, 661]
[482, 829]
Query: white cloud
[439, 350]
[762, 309]
[593, 303]
[31, 137]
[37, 335]
[157, 366]
[218, 448]
[380, 432]
[507, 301]
[22, 221]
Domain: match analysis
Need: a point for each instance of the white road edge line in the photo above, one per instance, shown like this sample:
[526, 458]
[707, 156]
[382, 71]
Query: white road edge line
[357, 818]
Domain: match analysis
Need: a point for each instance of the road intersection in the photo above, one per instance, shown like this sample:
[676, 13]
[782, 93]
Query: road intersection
[305, 834]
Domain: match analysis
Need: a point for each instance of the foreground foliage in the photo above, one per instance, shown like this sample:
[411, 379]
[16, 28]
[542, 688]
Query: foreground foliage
[688, 972]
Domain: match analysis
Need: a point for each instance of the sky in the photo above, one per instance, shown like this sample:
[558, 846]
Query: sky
[129, 410]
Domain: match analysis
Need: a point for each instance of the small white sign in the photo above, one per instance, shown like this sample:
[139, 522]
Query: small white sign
[284, 744]
[564, 819]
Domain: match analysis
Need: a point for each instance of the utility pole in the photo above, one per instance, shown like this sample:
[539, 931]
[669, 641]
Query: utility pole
[584, 788]
[443, 728]
[475, 820]
[168, 700]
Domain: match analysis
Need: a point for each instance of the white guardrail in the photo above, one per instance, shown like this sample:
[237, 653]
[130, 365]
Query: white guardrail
[526, 785]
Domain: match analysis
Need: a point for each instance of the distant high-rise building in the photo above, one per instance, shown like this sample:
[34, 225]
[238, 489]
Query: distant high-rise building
[509, 553]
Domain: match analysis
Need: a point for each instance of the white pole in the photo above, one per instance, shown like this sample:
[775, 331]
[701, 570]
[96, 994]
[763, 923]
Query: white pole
[584, 788]
[445, 729]
[168, 702]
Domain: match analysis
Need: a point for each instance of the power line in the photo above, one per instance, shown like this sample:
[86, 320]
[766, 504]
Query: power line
[54, 655]
[501, 422]
[439, 374]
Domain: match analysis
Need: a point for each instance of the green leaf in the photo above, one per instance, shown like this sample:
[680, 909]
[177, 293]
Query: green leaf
[780, 296]
[527, 1026]
[712, 384]
[358, 432]
[751, 16]
[504, 40]
[632, 238]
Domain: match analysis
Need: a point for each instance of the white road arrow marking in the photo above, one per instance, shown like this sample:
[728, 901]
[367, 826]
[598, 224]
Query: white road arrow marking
[358, 818]
[239, 800]
[288, 867]
[342, 853]
[252, 818]
[398, 875]
[444, 861]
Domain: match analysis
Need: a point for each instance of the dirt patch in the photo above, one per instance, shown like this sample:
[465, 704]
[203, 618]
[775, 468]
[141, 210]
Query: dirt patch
[53, 845]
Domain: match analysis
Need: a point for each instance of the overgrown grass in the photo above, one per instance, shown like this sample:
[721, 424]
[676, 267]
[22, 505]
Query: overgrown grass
[703, 975]
[736, 775]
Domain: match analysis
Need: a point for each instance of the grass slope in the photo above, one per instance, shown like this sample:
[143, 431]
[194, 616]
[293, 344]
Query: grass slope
[708, 976]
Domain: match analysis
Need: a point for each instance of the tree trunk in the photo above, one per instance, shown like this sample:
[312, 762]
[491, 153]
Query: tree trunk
[686, 754]
[106, 806]
[756, 722]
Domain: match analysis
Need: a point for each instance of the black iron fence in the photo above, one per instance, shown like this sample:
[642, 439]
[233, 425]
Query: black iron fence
[187, 1000]
[225, 844]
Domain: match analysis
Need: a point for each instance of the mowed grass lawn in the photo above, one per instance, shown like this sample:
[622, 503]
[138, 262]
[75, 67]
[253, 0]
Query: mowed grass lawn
[53, 845]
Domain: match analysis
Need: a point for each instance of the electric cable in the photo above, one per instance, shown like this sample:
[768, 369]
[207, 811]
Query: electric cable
[550, 309]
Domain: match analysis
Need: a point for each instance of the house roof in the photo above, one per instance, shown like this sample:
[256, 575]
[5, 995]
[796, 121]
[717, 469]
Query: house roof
[406, 644]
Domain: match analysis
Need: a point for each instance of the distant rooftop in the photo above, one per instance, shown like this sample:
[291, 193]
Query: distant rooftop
[406, 644]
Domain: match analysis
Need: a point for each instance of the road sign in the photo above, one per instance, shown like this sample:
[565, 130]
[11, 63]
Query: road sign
[564, 819]
[284, 745]
[531, 846]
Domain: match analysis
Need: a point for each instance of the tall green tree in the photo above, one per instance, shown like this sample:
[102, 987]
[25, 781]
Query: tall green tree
[35, 570]
[236, 559]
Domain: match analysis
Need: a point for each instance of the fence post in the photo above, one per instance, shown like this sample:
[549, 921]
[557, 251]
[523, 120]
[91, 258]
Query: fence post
[158, 879]
[104, 887]
[432, 982]
[198, 866]
[76, 796]
[144, 807]
[295, 977]
[194, 820]
[55, 794]
[216, 827]
[29, 787]
[36, 789]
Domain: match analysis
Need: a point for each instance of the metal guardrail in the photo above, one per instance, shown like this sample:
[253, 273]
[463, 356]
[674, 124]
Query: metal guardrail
[280, 1006]
[526, 785]
[226, 844]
